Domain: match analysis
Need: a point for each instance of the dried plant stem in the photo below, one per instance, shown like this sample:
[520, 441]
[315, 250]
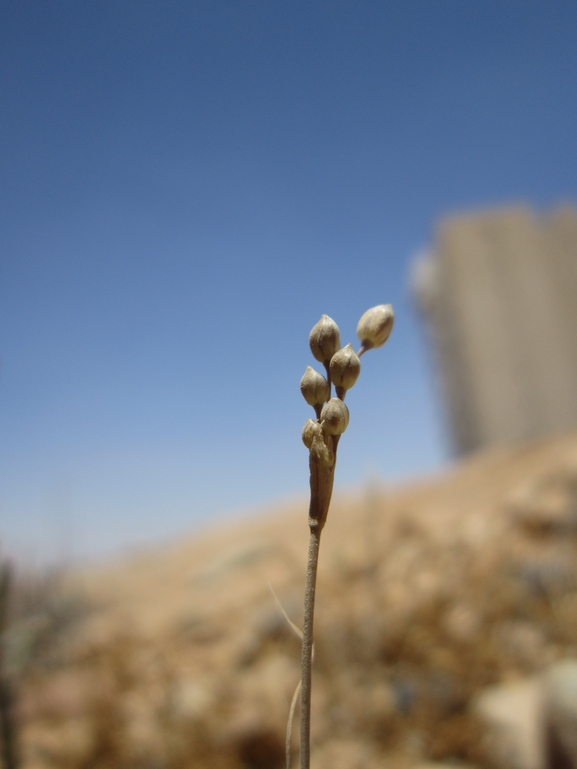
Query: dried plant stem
[289, 728]
[7, 725]
[321, 480]
[307, 648]
[342, 367]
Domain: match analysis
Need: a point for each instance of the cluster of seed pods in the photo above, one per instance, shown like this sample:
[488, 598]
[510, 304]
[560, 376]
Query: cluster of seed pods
[342, 367]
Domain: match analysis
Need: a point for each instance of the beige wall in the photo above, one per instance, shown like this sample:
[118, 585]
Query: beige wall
[499, 294]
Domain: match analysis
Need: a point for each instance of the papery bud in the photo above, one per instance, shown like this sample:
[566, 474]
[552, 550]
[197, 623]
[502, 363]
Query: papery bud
[335, 417]
[324, 339]
[319, 444]
[345, 368]
[310, 429]
[375, 326]
[314, 387]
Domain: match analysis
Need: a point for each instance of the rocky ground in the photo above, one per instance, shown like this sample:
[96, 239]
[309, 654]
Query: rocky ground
[445, 610]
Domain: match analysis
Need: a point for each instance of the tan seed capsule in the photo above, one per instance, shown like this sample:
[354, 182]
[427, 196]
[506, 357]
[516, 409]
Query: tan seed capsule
[345, 368]
[375, 326]
[309, 430]
[324, 339]
[314, 387]
[335, 417]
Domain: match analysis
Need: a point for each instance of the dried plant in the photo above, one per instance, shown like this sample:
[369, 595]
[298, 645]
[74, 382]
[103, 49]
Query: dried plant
[7, 695]
[321, 437]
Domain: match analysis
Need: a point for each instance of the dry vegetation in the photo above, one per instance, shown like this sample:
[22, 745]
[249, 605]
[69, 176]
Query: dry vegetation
[180, 657]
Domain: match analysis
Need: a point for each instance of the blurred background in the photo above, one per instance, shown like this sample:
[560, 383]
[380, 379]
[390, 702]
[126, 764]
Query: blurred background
[186, 188]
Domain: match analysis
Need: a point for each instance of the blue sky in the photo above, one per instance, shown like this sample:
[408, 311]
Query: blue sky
[187, 186]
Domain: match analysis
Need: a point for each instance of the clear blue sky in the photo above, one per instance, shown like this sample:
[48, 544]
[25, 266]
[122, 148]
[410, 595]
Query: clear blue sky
[187, 186]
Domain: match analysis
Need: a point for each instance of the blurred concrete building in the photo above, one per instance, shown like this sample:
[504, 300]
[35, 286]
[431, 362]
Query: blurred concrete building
[499, 296]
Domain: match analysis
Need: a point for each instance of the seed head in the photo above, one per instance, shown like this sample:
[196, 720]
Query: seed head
[314, 387]
[334, 417]
[375, 326]
[345, 368]
[324, 339]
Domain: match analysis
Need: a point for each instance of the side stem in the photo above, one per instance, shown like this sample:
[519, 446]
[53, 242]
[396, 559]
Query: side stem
[307, 647]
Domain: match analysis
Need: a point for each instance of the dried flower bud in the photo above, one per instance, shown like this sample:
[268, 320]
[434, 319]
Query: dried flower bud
[335, 417]
[324, 339]
[345, 368]
[314, 387]
[319, 443]
[375, 326]
[309, 430]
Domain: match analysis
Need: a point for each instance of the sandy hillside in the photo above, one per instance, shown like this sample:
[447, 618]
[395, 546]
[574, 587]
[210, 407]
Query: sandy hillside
[426, 595]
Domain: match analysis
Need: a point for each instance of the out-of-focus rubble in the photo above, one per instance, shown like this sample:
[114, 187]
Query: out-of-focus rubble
[514, 732]
[531, 723]
[446, 634]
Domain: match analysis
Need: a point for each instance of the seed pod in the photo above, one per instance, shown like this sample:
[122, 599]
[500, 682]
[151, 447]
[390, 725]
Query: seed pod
[324, 339]
[309, 430]
[334, 417]
[345, 368]
[314, 387]
[375, 326]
